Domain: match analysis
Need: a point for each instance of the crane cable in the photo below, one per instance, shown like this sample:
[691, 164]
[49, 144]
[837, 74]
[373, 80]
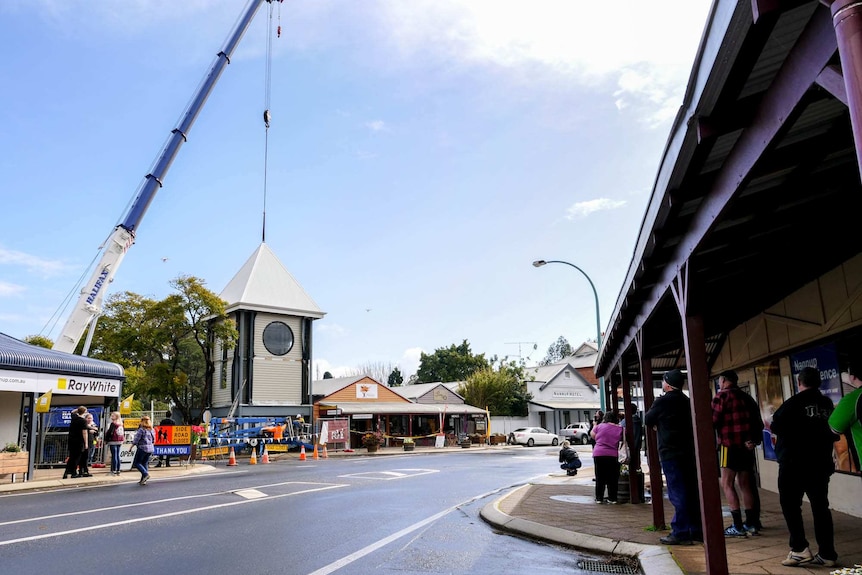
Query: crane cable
[267, 115]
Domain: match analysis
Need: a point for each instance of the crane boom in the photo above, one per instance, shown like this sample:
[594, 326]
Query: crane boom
[89, 302]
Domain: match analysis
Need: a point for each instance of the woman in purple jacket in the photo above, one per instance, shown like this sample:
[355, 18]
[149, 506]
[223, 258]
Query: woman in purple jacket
[143, 440]
[608, 436]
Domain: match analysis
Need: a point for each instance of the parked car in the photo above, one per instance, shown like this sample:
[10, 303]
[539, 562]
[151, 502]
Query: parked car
[531, 436]
[576, 433]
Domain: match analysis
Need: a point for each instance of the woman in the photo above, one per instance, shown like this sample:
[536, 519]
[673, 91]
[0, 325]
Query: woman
[114, 440]
[569, 459]
[608, 436]
[143, 440]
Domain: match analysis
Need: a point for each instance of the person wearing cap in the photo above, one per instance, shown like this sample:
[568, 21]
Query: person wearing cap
[847, 416]
[670, 415]
[804, 451]
[739, 429]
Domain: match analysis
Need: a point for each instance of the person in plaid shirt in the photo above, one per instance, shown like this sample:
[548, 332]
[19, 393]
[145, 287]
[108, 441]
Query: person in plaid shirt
[739, 428]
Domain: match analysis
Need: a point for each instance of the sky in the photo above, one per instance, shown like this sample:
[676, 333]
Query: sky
[420, 156]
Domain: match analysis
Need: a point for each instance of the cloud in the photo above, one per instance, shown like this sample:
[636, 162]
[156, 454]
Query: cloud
[583, 209]
[321, 366]
[409, 362]
[332, 329]
[32, 263]
[376, 126]
[7, 289]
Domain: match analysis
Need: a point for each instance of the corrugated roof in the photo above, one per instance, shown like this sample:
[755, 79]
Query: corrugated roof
[18, 355]
[264, 284]
[353, 408]
[416, 390]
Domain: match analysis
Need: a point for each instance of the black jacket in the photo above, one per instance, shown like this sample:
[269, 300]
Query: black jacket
[671, 415]
[804, 436]
[568, 454]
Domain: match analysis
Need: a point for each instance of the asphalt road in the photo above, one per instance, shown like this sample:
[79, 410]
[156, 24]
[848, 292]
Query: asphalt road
[416, 513]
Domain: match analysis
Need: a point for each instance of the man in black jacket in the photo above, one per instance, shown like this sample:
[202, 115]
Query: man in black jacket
[804, 452]
[670, 414]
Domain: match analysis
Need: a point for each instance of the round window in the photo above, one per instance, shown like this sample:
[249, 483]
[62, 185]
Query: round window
[277, 338]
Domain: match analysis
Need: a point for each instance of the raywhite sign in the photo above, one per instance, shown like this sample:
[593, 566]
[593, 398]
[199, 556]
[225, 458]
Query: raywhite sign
[29, 382]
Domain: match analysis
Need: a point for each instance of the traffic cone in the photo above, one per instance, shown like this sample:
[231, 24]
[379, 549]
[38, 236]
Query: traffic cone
[302, 453]
[325, 454]
[232, 459]
[253, 460]
[265, 458]
[314, 455]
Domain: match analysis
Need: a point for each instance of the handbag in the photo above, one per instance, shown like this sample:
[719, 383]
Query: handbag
[623, 454]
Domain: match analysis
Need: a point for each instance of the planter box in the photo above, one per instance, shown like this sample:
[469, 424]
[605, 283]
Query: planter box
[498, 439]
[409, 446]
[14, 462]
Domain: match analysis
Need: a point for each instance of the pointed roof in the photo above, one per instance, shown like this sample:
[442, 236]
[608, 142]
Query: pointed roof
[264, 284]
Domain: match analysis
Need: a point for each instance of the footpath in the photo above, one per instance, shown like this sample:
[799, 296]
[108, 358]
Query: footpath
[562, 509]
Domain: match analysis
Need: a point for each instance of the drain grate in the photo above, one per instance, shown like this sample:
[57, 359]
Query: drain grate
[612, 566]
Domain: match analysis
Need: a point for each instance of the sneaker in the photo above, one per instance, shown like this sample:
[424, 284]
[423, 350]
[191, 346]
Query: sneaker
[599, 501]
[818, 560]
[611, 502]
[751, 529]
[144, 479]
[795, 558]
[734, 531]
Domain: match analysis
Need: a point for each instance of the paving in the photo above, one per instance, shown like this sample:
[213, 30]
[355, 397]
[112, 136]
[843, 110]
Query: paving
[562, 509]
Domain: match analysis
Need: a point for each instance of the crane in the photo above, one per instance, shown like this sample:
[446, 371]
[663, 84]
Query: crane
[89, 303]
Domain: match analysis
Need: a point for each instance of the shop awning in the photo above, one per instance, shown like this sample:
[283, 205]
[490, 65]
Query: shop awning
[566, 405]
[392, 408]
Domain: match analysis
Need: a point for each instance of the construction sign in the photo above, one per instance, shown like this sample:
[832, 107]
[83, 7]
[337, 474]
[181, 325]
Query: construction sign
[173, 434]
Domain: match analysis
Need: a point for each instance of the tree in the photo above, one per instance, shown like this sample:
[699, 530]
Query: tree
[378, 370]
[327, 375]
[455, 363]
[166, 346]
[503, 390]
[39, 340]
[557, 351]
[395, 378]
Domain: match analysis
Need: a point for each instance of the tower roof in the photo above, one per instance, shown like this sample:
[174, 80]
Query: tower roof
[264, 284]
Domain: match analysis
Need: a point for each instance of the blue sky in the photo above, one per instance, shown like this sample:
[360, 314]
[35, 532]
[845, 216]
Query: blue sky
[422, 154]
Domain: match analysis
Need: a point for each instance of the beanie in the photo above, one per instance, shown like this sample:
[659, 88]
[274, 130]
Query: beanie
[674, 378]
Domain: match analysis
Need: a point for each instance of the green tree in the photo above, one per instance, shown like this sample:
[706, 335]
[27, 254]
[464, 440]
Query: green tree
[455, 363]
[502, 390]
[327, 375]
[166, 346]
[39, 340]
[395, 378]
[557, 351]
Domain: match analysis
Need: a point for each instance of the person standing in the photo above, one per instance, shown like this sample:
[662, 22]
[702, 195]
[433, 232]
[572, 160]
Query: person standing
[144, 440]
[847, 416]
[608, 437]
[804, 452]
[670, 415]
[77, 442]
[166, 422]
[114, 437]
[739, 428]
[92, 439]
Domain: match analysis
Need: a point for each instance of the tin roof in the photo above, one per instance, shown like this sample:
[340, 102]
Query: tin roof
[18, 355]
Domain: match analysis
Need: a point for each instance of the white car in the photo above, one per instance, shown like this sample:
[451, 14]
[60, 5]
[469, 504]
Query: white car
[531, 436]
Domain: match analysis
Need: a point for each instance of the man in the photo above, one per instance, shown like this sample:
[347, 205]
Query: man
[804, 452]
[77, 443]
[670, 414]
[848, 412]
[167, 421]
[737, 423]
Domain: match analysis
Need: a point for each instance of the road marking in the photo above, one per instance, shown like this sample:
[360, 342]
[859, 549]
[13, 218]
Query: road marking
[392, 474]
[250, 494]
[321, 487]
[348, 559]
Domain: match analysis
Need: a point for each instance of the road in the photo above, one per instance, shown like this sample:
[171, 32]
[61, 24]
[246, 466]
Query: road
[411, 513]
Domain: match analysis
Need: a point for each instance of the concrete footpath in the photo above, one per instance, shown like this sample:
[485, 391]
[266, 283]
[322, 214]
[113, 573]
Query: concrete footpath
[562, 510]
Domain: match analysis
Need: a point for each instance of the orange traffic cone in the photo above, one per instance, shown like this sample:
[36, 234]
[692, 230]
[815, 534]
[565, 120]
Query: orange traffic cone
[325, 454]
[314, 455]
[253, 460]
[232, 459]
[302, 453]
[265, 458]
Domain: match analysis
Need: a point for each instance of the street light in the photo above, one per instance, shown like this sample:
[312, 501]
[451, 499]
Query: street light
[540, 263]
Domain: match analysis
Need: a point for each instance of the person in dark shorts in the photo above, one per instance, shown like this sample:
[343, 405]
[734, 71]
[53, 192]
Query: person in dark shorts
[739, 428]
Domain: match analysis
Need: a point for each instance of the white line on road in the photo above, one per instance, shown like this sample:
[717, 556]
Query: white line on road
[161, 516]
[347, 560]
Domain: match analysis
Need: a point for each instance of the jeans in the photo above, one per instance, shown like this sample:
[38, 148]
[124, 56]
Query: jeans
[682, 491]
[142, 462]
[792, 484]
[115, 457]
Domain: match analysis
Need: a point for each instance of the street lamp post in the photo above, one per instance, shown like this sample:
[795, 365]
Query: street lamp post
[540, 263]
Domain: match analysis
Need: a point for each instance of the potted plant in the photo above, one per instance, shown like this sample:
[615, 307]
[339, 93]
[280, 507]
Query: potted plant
[13, 460]
[372, 440]
[408, 444]
[477, 438]
[498, 439]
